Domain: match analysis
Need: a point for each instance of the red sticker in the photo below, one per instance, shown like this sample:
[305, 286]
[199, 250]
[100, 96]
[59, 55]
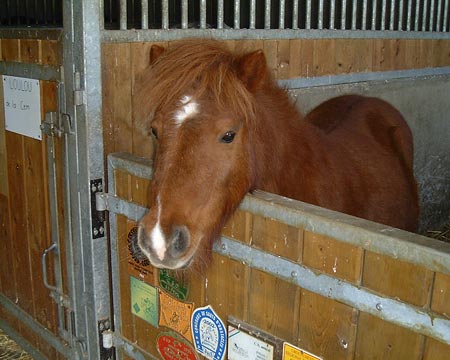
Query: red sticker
[173, 347]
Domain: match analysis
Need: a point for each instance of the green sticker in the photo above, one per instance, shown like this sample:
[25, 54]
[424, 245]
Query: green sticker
[144, 301]
[173, 286]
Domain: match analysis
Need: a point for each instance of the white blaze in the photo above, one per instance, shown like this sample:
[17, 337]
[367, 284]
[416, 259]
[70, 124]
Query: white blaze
[188, 109]
[157, 237]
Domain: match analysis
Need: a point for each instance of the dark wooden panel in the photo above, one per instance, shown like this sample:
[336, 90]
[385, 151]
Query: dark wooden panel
[30, 51]
[10, 50]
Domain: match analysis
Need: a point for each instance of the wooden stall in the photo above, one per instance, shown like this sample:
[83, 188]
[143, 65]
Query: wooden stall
[68, 291]
[25, 204]
[325, 324]
[122, 64]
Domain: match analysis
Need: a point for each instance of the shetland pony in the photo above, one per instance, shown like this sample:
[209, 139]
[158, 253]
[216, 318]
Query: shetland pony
[223, 128]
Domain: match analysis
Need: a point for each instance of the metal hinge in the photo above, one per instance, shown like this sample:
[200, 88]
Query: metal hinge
[97, 213]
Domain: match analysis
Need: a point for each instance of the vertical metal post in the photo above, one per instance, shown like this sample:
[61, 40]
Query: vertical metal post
[294, 15]
[320, 22]
[220, 14]
[400, 16]
[332, 13]
[424, 15]
[383, 15]
[444, 27]
[416, 18]
[308, 14]
[165, 14]
[438, 15]
[431, 17]
[344, 15]
[89, 270]
[374, 14]
[184, 14]
[409, 19]
[203, 14]
[282, 13]
[252, 14]
[237, 14]
[354, 14]
[144, 14]
[267, 15]
[123, 14]
[364, 16]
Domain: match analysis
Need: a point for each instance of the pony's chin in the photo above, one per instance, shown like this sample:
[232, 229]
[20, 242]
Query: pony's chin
[181, 265]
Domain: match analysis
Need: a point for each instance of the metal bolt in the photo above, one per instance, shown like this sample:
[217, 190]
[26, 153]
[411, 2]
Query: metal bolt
[294, 274]
[95, 231]
[379, 306]
[101, 230]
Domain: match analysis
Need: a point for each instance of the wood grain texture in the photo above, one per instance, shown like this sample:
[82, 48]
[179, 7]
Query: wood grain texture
[440, 301]
[30, 51]
[435, 350]
[333, 257]
[397, 279]
[327, 328]
[377, 339]
[10, 50]
[51, 52]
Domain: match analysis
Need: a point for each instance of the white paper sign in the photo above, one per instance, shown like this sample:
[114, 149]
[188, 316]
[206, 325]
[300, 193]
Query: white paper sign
[22, 102]
[242, 346]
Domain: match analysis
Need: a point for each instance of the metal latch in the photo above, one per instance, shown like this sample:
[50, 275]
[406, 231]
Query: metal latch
[55, 125]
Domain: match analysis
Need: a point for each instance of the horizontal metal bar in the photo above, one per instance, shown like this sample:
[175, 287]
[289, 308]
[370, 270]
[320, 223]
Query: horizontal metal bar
[394, 311]
[27, 33]
[134, 35]
[33, 71]
[297, 83]
[378, 238]
[133, 165]
[119, 206]
[40, 330]
[24, 344]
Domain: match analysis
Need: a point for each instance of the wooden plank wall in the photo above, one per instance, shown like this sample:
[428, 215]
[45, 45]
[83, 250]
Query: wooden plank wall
[322, 326]
[317, 324]
[122, 64]
[24, 202]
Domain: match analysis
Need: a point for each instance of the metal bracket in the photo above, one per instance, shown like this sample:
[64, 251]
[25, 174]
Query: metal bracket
[106, 339]
[97, 217]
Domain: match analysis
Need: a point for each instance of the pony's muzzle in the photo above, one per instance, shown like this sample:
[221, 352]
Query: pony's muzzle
[179, 242]
[165, 251]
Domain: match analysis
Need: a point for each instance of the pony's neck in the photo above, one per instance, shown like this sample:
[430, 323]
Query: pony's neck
[278, 154]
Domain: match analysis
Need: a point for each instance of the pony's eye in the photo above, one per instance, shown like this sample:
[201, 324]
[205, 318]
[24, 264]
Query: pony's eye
[154, 132]
[228, 137]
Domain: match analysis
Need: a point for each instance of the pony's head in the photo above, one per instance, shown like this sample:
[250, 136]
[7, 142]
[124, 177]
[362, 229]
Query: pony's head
[199, 100]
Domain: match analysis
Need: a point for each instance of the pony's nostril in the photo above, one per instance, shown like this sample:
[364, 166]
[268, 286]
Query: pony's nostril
[179, 241]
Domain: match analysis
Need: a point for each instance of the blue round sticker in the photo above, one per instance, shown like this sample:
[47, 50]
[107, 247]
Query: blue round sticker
[209, 333]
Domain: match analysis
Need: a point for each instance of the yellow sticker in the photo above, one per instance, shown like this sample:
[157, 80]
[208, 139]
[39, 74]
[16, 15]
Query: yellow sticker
[291, 352]
[175, 315]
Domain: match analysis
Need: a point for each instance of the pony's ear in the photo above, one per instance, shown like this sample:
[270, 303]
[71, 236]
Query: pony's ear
[252, 70]
[155, 53]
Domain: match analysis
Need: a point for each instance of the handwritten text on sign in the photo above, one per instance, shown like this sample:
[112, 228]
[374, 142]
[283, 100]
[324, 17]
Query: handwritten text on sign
[22, 102]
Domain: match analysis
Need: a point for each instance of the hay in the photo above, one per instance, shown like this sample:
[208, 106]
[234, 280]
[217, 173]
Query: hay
[10, 349]
[442, 234]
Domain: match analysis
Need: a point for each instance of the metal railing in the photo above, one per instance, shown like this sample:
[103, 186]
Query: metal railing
[374, 15]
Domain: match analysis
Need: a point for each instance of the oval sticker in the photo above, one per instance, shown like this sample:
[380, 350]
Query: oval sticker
[173, 347]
